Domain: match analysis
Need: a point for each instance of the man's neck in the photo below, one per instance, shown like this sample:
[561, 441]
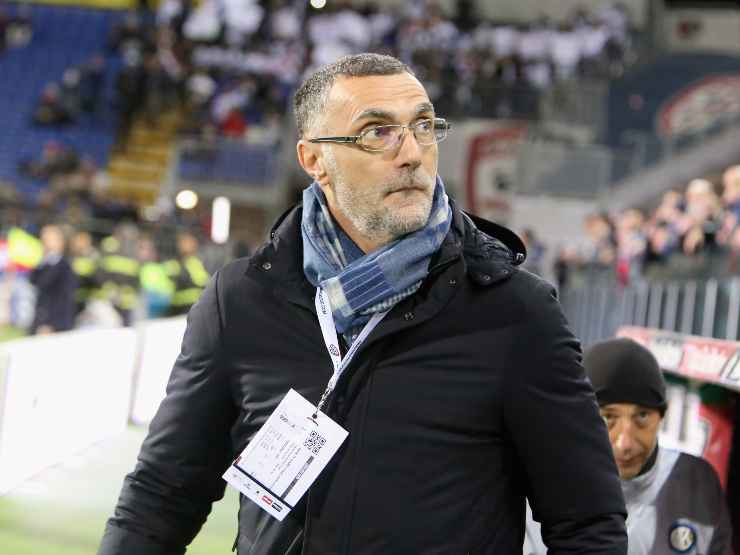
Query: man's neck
[650, 462]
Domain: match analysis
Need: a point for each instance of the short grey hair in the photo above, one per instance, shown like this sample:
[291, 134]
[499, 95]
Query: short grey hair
[309, 101]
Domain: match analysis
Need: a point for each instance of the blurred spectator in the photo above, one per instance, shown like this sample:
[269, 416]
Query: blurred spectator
[617, 24]
[56, 159]
[19, 28]
[204, 24]
[70, 96]
[156, 286]
[733, 266]
[91, 83]
[130, 36]
[284, 21]
[603, 239]
[631, 245]
[703, 209]
[465, 16]
[535, 251]
[169, 11]
[119, 271]
[130, 92]
[242, 18]
[52, 108]
[662, 243]
[566, 51]
[85, 260]
[4, 20]
[187, 273]
[731, 203]
[55, 284]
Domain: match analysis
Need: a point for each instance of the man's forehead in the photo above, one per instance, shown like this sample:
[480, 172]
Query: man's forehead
[627, 408]
[396, 94]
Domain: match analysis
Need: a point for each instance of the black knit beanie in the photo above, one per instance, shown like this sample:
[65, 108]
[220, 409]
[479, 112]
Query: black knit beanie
[623, 371]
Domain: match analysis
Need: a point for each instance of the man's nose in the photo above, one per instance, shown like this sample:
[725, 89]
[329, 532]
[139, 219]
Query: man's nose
[624, 441]
[409, 151]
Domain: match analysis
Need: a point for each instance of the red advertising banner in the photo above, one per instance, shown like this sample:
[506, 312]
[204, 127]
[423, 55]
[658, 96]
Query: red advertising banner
[700, 358]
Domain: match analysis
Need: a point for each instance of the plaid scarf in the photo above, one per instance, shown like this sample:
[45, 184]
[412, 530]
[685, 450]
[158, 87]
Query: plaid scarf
[358, 284]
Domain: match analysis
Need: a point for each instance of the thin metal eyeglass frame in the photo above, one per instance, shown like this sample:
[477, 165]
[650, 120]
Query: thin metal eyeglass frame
[355, 139]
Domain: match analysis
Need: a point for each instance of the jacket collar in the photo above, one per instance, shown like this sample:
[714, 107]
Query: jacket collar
[490, 253]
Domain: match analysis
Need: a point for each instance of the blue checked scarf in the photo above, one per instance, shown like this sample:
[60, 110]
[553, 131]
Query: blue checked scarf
[358, 284]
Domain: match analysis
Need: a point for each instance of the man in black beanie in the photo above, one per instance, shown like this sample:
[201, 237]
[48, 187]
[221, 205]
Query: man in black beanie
[675, 503]
[630, 390]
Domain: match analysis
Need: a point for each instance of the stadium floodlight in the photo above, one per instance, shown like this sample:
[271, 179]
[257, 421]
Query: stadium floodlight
[186, 199]
[220, 219]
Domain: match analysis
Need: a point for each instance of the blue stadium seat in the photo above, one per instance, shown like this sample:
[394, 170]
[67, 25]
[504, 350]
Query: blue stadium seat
[62, 37]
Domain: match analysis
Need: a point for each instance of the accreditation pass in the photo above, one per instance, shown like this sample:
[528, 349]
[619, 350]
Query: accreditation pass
[286, 455]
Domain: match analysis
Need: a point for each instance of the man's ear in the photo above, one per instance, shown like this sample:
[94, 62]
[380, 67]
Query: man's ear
[311, 160]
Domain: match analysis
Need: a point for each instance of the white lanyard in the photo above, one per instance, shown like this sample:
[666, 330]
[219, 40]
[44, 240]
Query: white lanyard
[329, 331]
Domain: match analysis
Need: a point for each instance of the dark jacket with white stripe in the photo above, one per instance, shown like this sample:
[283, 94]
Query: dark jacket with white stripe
[675, 507]
[466, 398]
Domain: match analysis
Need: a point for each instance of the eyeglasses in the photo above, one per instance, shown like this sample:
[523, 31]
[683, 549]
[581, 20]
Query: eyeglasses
[380, 138]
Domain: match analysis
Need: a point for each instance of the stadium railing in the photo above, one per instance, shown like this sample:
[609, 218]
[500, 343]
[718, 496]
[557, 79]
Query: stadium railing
[702, 306]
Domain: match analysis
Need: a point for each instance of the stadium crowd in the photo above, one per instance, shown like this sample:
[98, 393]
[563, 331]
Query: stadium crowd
[235, 63]
[693, 232]
[63, 277]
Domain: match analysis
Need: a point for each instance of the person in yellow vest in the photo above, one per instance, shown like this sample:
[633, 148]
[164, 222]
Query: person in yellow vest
[119, 272]
[187, 273]
[156, 286]
[22, 252]
[85, 263]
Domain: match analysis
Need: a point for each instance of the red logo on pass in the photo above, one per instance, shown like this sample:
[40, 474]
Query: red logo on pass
[267, 500]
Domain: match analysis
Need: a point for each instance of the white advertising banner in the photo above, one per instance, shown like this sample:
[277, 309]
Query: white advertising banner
[60, 394]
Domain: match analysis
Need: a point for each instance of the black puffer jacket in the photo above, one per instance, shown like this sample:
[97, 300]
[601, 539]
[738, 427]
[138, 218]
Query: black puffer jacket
[467, 397]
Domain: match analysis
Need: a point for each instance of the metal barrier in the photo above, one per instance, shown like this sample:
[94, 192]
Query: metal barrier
[707, 308]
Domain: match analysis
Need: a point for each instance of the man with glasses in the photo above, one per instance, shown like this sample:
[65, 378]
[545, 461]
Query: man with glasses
[380, 309]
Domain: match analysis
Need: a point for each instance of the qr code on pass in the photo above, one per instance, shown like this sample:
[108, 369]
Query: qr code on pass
[314, 442]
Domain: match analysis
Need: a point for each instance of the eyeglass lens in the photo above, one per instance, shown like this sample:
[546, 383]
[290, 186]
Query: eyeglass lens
[382, 137]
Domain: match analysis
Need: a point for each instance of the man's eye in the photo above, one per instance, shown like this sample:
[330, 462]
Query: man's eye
[425, 125]
[643, 417]
[379, 132]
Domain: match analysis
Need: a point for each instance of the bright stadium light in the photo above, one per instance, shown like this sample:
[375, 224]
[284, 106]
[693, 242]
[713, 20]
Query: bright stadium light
[318, 4]
[186, 199]
[220, 218]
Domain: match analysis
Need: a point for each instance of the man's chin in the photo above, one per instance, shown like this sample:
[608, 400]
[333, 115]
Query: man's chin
[629, 472]
[408, 223]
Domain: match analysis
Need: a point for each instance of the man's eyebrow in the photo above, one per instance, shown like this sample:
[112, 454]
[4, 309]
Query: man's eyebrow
[377, 113]
[374, 113]
[423, 108]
